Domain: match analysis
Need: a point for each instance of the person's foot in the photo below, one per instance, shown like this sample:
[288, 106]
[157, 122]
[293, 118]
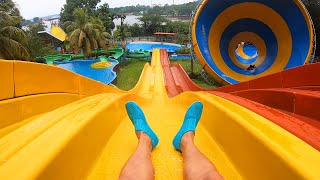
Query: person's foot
[190, 123]
[140, 123]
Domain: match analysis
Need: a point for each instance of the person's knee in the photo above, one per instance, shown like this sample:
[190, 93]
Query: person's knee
[203, 174]
[136, 175]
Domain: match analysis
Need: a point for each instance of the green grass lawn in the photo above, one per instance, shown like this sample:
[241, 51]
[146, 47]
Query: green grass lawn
[197, 68]
[130, 74]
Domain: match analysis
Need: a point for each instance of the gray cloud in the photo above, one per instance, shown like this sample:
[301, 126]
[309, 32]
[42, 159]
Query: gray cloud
[40, 8]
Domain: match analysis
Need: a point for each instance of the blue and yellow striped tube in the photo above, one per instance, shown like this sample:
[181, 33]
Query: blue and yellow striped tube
[281, 31]
[245, 54]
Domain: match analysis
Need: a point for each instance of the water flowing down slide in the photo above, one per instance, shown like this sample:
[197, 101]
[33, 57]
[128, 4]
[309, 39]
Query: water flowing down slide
[281, 31]
[77, 128]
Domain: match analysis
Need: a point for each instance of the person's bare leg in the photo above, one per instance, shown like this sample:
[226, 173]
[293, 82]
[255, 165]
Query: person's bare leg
[139, 166]
[196, 165]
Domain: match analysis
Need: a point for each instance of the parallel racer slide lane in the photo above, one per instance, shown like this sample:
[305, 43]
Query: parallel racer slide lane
[293, 112]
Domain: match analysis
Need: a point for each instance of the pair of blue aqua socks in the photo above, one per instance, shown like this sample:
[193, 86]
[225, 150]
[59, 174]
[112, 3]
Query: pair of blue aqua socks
[140, 123]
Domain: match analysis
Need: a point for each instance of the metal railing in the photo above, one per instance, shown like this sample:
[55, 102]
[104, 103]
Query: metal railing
[202, 73]
[312, 58]
[190, 34]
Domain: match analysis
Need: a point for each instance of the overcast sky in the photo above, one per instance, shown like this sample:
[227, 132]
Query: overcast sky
[39, 8]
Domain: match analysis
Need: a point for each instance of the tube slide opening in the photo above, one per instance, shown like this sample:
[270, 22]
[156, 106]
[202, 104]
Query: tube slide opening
[229, 36]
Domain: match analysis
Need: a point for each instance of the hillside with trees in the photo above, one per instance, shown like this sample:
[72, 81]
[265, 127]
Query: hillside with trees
[169, 10]
[16, 43]
[150, 22]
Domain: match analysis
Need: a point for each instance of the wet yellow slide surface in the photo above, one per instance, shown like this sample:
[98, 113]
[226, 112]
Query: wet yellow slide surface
[69, 127]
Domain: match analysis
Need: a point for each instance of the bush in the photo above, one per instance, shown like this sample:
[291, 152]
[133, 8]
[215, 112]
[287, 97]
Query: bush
[39, 60]
[184, 50]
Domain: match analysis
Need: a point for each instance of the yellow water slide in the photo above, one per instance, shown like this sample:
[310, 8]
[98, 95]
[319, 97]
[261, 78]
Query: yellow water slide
[58, 125]
[58, 32]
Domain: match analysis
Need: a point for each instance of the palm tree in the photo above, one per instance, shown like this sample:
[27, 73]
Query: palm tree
[112, 17]
[122, 32]
[12, 38]
[86, 33]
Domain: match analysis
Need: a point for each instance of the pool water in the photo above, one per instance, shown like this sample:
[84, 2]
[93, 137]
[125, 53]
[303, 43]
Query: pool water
[183, 57]
[83, 67]
[149, 46]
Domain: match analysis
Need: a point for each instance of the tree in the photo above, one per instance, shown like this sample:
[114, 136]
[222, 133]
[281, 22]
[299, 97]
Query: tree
[12, 38]
[152, 22]
[130, 9]
[104, 14]
[33, 29]
[86, 33]
[112, 17]
[182, 9]
[26, 22]
[68, 9]
[36, 45]
[156, 10]
[186, 9]
[126, 32]
[36, 19]
[178, 27]
[136, 30]
[122, 18]
[8, 8]
[169, 10]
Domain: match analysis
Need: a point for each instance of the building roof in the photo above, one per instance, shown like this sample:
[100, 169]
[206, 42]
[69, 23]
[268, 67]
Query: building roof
[56, 32]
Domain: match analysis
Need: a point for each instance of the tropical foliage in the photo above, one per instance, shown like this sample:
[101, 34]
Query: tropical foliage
[86, 33]
[36, 46]
[136, 30]
[171, 10]
[151, 22]
[106, 17]
[68, 9]
[117, 33]
[12, 38]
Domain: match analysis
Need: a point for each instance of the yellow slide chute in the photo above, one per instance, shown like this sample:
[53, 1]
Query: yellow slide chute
[58, 32]
[55, 124]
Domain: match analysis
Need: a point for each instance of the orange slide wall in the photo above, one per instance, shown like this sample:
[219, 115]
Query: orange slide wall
[288, 99]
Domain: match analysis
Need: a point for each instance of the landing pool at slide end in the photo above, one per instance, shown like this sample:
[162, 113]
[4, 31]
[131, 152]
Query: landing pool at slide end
[282, 32]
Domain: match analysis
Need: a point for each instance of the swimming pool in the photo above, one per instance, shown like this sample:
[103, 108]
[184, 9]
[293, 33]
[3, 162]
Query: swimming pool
[149, 46]
[183, 57]
[83, 67]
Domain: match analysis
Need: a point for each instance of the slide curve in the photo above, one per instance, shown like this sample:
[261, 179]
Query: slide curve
[281, 31]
